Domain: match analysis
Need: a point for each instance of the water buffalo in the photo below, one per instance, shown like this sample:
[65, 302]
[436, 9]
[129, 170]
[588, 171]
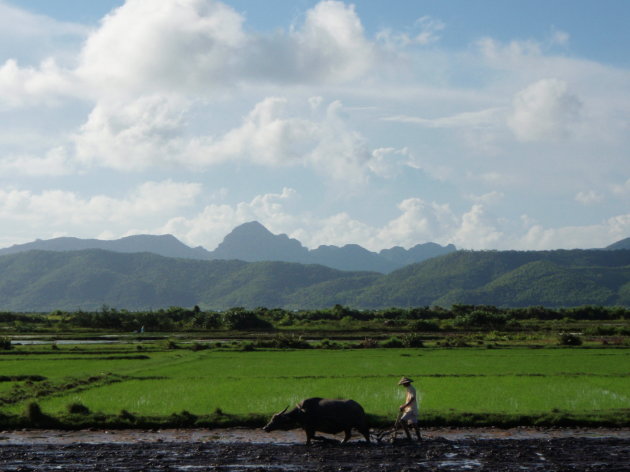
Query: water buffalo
[323, 415]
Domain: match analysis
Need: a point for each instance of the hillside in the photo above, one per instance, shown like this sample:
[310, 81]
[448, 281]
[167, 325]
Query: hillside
[623, 244]
[71, 280]
[47, 280]
[508, 278]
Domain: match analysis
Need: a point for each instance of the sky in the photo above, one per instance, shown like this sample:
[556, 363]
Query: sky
[487, 124]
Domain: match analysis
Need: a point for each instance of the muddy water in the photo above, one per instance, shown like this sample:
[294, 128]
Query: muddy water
[240, 450]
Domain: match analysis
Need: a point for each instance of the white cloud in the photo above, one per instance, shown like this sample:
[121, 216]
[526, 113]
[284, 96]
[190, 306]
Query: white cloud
[428, 31]
[56, 162]
[340, 151]
[589, 197]
[150, 133]
[476, 119]
[165, 80]
[569, 237]
[267, 136]
[544, 110]
[559, 37]
[419, 222]
[622, 190]
[195, 47]
[487, 198]
[331, 44]
[477, 231]
[16, 22]
[54, 212]
[338, 230]
[32, 37]
[505, 56]
[33, 86]
[133, 135]
[388, 162]
[163, 45]
[199, 46]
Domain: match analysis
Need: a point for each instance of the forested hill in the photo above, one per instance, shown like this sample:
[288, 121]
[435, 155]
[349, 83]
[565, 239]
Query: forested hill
[508, 278]
[46, 281]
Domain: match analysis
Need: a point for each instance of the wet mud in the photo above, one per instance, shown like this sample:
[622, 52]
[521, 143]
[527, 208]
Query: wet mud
[252, 451]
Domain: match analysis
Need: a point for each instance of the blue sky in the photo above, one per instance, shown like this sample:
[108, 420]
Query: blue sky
[489, 124]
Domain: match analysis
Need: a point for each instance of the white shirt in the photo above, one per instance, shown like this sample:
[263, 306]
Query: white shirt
[410, 412]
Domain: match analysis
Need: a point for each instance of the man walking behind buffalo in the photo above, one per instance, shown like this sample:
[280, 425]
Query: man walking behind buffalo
[409, 409]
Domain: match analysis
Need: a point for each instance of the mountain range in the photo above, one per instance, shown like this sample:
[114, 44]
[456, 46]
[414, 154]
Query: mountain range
[251, 242]
[44, 281]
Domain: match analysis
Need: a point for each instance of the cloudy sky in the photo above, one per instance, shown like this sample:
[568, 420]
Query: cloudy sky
[486, 124]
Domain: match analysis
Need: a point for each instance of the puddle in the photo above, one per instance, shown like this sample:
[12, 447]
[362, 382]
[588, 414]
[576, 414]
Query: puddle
[468, 464]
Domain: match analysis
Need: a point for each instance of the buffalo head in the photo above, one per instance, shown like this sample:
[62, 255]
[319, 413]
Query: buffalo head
[280, 420]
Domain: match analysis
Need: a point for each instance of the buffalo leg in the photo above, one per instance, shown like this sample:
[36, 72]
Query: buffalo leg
[348, 433]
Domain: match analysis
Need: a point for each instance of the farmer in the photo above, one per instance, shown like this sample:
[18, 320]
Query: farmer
[409, 409]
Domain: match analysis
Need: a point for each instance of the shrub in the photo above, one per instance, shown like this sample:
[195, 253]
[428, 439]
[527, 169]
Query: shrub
[328, 344]
[412, 340]
[453, 341]
[481, 319]
[368, 343]
[5, 344]
[602, 331]
[34, 412]
[240, 319]
[569, 339]
[125, 415]
[424, 325]
[284, 341]
[170, 344]
[78, 409]
[182, 419]
[199, 346]
[392, 343]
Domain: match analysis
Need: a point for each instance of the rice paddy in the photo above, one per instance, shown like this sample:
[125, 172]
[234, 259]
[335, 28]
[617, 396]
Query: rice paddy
[452, 383]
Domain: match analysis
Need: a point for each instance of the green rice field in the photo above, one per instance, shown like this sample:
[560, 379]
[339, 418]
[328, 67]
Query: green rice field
[454, 384]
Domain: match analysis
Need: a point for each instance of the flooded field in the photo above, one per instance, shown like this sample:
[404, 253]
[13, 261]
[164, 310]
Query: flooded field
[239, 450]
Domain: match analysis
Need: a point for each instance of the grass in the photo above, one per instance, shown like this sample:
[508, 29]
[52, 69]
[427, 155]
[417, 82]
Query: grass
[457, 386]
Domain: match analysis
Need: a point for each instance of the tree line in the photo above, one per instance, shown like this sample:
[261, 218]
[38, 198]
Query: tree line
[419, 318]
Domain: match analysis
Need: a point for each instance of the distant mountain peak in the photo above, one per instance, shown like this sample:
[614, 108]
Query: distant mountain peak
[164, 245]
[251, 228]
[251, 242]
